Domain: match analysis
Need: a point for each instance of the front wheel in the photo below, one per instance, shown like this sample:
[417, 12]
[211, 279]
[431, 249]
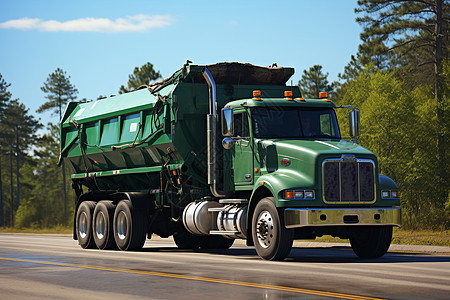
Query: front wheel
[371, 242]
[273, 241]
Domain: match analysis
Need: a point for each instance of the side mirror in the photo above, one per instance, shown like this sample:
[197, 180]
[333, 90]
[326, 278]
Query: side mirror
[227, 143]
[354, 124]
[227, 122]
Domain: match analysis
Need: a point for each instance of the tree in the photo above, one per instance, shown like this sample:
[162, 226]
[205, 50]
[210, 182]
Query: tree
[141, 76]
[5, 97]
[407, 26]
[59, 91]
[414, 36]
[20, 137]
[42, 206]
[399, 126]
[314, 81]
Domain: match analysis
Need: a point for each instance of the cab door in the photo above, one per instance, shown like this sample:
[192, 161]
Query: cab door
[243, 151]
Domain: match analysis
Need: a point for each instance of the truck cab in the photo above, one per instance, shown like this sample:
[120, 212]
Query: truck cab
[291, 151]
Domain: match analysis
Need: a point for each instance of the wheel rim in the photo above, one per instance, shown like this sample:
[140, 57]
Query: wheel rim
[264, 229]
[100, 225]
[82, 225]
[122, 225]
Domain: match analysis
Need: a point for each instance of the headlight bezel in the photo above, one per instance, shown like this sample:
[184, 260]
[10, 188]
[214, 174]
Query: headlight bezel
[299, 194]
[390, 194]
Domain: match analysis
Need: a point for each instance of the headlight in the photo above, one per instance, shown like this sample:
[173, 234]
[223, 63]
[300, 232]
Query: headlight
[390, 194]
[299, 194]
[309, 194]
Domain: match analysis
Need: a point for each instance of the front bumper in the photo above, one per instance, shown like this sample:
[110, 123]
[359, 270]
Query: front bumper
[303, 217]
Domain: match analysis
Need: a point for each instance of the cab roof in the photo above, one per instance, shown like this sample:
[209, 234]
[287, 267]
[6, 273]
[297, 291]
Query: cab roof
[274, 102]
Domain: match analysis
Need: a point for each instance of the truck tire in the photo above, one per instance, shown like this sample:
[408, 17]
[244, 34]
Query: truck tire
[216, 242]
[103, 219]
[84, 225]
[371, 242]
[129, 227]
[273, 241]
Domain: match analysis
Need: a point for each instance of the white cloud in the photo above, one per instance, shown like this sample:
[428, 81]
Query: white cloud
[137, 23]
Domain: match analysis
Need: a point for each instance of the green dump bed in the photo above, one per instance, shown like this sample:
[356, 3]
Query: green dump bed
[124, 142]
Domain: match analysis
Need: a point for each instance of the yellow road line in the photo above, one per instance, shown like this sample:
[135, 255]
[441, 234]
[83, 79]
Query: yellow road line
[204, 279]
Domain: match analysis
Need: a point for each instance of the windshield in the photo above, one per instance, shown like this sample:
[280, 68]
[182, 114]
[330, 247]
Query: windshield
[281, 122]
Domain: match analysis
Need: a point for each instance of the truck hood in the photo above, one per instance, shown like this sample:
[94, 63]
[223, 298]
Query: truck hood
[305, 159]
[311, 149]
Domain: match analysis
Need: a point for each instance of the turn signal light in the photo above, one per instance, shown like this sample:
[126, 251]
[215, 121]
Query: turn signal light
[289, 195]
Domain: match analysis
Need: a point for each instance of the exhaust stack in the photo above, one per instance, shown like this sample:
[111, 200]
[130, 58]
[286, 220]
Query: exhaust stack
[211, 135]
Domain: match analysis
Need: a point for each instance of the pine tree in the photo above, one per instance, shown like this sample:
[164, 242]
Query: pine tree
[141, 76]
[314, 81]
[406, 27]
[43, 208]
[20, 136]
[5, 97]
[59, 91]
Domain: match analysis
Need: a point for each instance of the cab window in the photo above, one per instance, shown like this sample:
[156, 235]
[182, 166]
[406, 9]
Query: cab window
[241, 128]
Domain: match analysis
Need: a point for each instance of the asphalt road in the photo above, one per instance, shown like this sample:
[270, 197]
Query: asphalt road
[55, 267]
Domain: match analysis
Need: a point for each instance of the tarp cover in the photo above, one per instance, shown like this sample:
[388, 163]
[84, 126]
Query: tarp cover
[248, 74]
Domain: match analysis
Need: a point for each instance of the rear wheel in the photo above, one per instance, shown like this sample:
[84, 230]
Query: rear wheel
[84, 224]
[129, 226]
[103, 225]
[371, 242]
[273, 241]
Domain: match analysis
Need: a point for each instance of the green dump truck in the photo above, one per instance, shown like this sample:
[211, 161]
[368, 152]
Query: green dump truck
[222, 152]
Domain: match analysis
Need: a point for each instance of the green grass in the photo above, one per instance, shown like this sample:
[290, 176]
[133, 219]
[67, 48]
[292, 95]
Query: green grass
[421, 237]
[55, 230]
[406, 237]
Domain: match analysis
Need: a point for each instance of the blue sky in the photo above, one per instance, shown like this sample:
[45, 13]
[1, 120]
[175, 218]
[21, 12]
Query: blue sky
[98, 43]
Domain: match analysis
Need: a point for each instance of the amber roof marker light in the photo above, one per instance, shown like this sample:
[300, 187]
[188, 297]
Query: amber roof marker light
[288, 95]
[257, 95]
[324, 96]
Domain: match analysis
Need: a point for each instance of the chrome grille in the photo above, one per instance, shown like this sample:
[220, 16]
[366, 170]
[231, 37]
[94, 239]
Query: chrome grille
[348, 179]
